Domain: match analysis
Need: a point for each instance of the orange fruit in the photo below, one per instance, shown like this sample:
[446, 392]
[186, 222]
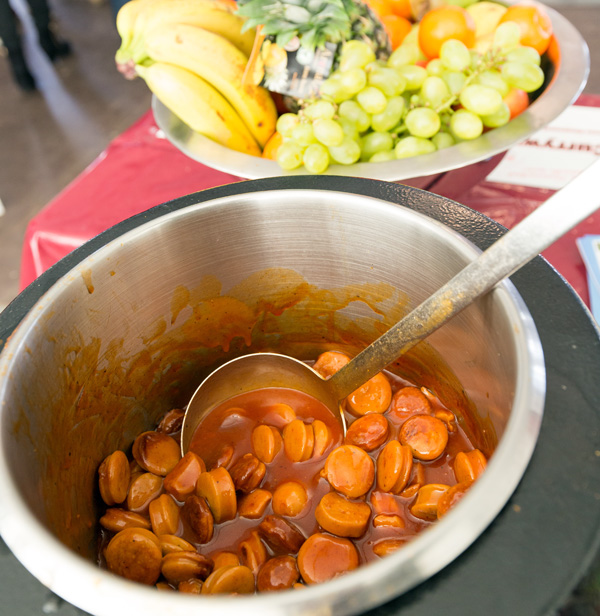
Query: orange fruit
[272, 145]
[517, 101]
[380, 7]
[535, 25]
[402, 8]
[396, 28]
[443, 23]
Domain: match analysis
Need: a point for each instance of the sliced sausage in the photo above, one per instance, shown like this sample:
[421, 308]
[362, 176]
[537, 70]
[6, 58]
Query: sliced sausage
[142, 491]
[164, 515]
[451, 497]
[350, 470]
[289, 499]
[113, 478]
[199, 518]
[266, 442]
[323, 557]
[368, 432]
[180, 566]
[394, 466]
[229, 580]
[253, 505]
[217, 487]
[252, 552]
[181, 481]
[116, 520]
[427, 436]
[425, 506]
[156, 452]
[329, 363]
[134, 553]
[469, 466]
[278, 573]
[339, 516]
[281, 535]
[247, 473]
[298, 440]
[409, 401]
[372, 397]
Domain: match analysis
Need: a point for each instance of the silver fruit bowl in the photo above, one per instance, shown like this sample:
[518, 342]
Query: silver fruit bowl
[567, 73]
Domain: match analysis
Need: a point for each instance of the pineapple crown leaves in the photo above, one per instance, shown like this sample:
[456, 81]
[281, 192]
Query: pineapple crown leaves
[314, 22]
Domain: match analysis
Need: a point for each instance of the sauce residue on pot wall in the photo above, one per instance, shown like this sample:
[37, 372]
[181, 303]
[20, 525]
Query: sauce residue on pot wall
[100, 393]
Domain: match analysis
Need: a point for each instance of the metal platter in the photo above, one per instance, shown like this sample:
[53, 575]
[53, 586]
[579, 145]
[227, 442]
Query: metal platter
[542, 542]
[567, 74]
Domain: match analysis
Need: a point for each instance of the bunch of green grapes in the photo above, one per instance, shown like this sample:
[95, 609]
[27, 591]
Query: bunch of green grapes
[370, 110]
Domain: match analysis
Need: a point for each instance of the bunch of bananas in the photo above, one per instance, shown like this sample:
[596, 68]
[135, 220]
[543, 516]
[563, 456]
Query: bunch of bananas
[193, 55]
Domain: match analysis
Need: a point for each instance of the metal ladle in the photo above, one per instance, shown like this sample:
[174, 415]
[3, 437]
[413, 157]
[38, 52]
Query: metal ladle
[561, 212]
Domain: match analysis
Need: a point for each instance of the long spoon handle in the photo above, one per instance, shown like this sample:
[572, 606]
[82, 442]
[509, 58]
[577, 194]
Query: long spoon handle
[560, 213]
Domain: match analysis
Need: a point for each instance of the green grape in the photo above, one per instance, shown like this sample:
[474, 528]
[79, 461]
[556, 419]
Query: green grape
[497, 119]
[303, 134]
[507, 36]
[434, 91]
[435, 67]
[455, 81]
[372, 99]
[355, 54]
[316, 158]
[332, 89]
[455, 55]
[481, 100]
[372, 66]
[353, 80]
[328, 132]
[355, 113]
[286, 123]
[319, 109]
[414, 75]
[476, 60]
[524, 54]
[382, 157]
[289, 155]
[526, 76]
[349, 127]
[388, 80]
[404, 55]
[413, 146]
[493, 79]
[347, 153]
[375, 142]
[466, 125]
[390, 116]
[422, 122]
[443, 140]
[463, 3]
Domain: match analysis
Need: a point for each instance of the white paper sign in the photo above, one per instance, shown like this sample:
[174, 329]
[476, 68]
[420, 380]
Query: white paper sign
[555, 154]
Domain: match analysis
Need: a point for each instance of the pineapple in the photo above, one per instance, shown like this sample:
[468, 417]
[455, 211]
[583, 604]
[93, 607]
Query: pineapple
[316, 22]
[308, 28]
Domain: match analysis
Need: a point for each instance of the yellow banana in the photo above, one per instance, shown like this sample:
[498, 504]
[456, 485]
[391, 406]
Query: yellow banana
[198, 105]
[219, 62]
[126, 18]
[215, 15]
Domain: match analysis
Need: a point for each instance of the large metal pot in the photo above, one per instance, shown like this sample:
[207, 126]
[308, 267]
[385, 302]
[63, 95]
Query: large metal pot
[287, 265]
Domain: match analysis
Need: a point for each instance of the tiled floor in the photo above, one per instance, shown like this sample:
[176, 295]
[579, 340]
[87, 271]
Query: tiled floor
[48, 137]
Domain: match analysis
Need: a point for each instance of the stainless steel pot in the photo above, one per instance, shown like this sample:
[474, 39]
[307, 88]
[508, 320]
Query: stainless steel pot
[129, 332]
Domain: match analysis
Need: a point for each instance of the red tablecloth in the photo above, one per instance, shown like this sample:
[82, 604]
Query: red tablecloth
[140, 169]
